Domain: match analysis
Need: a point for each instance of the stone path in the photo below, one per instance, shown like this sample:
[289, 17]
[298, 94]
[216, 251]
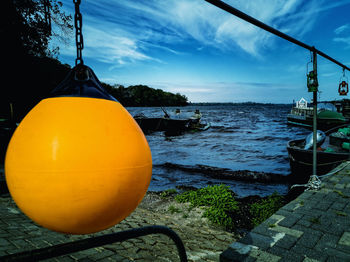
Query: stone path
[202, 242]
[313, 227]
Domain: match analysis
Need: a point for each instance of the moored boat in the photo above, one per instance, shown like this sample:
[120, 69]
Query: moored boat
[172, 125]
[330, 153]
[327, 117]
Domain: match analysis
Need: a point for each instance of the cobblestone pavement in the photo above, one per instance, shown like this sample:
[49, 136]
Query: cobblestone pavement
[202, 242]
[313, 227]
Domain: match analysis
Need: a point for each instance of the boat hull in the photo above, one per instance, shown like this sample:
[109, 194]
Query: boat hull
[162, 124]
[301, 161]
[307, 122]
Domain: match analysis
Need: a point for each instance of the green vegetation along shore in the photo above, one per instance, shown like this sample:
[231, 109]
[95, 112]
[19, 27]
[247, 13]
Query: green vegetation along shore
[221, 206]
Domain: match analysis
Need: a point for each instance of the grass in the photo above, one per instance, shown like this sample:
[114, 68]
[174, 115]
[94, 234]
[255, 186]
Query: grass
[340, 213]
[315, 220]
[217, 201]
[168, 193]
[172, 209]
[221, 207]
[265, 208]
[341, 194]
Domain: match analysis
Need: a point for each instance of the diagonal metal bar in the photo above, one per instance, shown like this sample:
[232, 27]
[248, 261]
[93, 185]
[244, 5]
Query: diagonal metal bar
[79, 245]
[270, 29]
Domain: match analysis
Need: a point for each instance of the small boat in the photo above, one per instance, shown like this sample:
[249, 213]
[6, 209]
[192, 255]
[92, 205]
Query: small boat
[172, 125]
[332, 149]
[327, 116]
[148, 124]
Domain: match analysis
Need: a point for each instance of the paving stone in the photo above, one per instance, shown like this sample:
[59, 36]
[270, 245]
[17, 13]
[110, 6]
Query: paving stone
[230, 255]
[345, 239]
[255, 239]
[306, 259]
[308, 210]
[324, 205]
[265, 230]
[306, 195]
[317, 229]
[305, 221]
[309, 239]
[289, 231]
[337, 254]
[290, 220]
[4, 242]
[261, 255]
[333, 229]
[327, 241]
[287, 242]
[291, 206]
[292, 257]
[309, 252]
[277, 250]
[335, 259]
[338, 206]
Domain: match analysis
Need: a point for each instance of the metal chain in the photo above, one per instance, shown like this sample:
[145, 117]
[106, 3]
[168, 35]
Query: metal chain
[78, 24]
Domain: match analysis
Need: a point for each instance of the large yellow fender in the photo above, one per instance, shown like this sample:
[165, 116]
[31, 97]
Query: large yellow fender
[78, 165]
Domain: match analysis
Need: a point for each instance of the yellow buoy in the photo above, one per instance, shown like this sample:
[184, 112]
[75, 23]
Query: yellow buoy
[78, 165]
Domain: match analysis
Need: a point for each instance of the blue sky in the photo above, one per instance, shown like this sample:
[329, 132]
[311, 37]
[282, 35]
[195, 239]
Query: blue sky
[196, 49]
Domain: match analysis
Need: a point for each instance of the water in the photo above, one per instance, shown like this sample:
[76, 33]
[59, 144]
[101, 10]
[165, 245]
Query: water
[241, 137]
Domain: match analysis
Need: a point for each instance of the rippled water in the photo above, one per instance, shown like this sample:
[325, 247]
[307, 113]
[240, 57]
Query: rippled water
[241, 137]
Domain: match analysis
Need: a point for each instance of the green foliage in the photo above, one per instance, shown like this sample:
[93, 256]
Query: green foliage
[30, 69]
[315, 220]
[341, 194]
[28, 30]
[172, 209]
[217, 202]
[340, 213]
[168, 193]
[265, 208]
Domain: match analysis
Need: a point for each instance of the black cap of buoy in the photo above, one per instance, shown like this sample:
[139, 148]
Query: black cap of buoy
[81, 81]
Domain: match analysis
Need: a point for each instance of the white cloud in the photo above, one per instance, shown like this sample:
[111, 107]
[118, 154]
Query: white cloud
[345, 40]
[123, 31]
[341, 29]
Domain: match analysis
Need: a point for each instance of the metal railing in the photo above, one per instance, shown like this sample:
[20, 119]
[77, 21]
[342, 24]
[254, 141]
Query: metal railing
[80, 245]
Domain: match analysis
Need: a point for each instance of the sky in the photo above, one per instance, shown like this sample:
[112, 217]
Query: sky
[193, 48]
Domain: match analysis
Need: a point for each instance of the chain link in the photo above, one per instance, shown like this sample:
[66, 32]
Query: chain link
[78, 24]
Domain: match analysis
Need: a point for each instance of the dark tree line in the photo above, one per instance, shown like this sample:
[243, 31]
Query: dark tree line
[142, 95]
[29, 69]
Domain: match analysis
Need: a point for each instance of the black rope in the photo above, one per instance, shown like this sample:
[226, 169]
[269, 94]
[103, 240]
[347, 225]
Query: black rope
[270, 29]
[79, 245]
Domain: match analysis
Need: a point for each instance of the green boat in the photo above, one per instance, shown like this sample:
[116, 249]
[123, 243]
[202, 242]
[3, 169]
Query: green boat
[302, 115]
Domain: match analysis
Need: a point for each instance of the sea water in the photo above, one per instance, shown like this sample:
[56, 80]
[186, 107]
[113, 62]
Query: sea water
[241, 137]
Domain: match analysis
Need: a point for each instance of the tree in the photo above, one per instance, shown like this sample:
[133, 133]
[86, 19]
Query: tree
[142, 95]
[26, 27]
[26, 33]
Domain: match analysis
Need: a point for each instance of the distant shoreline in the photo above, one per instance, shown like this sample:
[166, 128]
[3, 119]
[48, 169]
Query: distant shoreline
[233, 103]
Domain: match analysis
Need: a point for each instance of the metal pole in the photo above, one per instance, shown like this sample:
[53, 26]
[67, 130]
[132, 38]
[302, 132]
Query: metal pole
[314, 149]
